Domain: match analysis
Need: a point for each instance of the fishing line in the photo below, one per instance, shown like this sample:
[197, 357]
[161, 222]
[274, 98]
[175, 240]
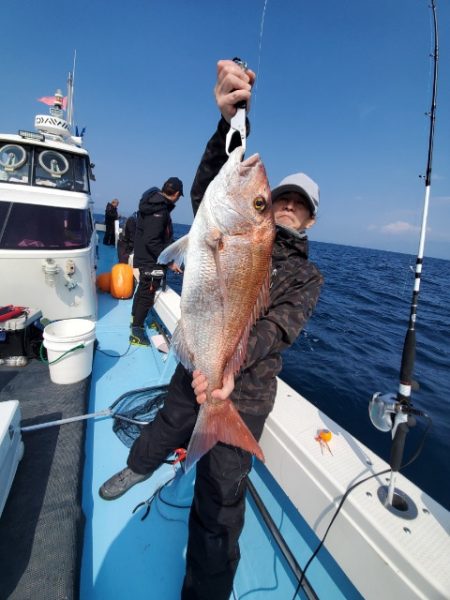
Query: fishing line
[114, 355]
[165, 517]
[237, 400]
[261, 32]
[152, 500]
[171, 504]
[304, 334]
[408, 269]
[354, 486]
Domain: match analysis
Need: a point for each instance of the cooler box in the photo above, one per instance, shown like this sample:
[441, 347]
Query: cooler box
[20, 335]
[11, 446]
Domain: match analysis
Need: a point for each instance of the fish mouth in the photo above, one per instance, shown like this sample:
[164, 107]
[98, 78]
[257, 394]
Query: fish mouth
[250, 164]
[251, 161]
[248, 168]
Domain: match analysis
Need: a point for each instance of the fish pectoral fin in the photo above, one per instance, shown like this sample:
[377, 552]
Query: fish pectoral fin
[214, 239]
[219, 423]
[175, 252]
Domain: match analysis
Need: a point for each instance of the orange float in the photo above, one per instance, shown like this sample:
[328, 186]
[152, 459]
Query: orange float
[122, 281]
[103, 282]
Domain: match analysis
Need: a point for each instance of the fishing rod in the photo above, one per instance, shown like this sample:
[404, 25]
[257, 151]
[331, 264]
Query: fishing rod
[382, 408]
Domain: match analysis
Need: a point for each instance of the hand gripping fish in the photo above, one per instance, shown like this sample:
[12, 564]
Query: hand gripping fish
[227, 258]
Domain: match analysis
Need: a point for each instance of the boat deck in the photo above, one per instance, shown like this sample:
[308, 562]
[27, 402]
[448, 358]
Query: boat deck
[69, 543]
[125, 556]
[41, 528]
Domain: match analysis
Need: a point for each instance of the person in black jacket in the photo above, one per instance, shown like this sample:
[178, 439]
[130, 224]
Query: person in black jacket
[111, 215]
[125, 243]
[217, 513]
[154, 231]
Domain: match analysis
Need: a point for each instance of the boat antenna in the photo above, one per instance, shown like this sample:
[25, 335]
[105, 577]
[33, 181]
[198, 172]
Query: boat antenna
[382, 408]
[70, 87]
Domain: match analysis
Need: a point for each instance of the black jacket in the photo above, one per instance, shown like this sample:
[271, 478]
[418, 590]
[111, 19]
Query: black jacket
[295, 287]
[111, 215]
[125, 243]
[128, 232]
[154, 230]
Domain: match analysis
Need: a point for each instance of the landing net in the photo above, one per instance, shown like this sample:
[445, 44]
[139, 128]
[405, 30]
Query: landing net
[134, 409]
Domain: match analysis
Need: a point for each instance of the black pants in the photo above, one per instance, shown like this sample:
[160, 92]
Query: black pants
[109, 239]
[144, 297]
[217, 513]
[123, 251]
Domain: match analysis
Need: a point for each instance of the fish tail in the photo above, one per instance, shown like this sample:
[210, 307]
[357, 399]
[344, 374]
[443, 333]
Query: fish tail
[219, 423]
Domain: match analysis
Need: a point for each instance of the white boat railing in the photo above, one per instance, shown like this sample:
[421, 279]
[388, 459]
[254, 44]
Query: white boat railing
[386, 553]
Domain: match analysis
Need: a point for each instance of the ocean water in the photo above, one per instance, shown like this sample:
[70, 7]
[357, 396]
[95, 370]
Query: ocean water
[352, 347]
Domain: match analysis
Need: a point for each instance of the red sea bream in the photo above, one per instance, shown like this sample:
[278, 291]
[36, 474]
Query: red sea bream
[227, 258]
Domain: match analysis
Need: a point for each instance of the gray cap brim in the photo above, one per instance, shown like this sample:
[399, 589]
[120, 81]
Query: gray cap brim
[291, 187]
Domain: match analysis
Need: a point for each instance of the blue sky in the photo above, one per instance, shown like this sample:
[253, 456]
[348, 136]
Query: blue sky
[341, 94]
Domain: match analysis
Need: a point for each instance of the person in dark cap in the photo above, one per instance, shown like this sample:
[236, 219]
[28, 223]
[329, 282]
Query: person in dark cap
[154, 231]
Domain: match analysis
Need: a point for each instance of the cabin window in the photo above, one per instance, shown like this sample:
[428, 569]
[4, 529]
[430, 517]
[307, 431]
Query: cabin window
[51, 168]
[60, 170]
[81, 176]
[14, 163]
[37, 227]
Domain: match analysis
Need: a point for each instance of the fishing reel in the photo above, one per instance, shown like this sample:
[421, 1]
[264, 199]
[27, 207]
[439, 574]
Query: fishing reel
[381, 411]
[386, 413]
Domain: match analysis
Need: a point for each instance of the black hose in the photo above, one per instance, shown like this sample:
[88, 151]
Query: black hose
[277, 536]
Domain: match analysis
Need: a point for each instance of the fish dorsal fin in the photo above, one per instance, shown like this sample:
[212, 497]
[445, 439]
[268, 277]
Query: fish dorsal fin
[175, 252]
[261, 305]
[179, 346]
[263, 300]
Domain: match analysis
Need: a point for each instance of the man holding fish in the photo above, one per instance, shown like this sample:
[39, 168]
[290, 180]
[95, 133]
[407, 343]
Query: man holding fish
[248, 290]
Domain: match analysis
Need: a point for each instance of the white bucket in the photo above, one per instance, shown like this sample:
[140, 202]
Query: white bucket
[63, 336]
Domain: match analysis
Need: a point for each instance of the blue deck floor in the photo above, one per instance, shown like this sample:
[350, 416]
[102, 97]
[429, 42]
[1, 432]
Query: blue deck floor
[125, 557]
[263, 571]
[122, 554]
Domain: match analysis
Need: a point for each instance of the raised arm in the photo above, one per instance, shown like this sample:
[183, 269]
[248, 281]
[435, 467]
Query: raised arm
[233, 85]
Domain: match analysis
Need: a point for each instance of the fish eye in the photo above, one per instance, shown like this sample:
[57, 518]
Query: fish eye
[259, 203]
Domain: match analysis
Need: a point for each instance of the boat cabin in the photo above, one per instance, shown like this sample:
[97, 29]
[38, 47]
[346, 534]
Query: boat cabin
[47, 231]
